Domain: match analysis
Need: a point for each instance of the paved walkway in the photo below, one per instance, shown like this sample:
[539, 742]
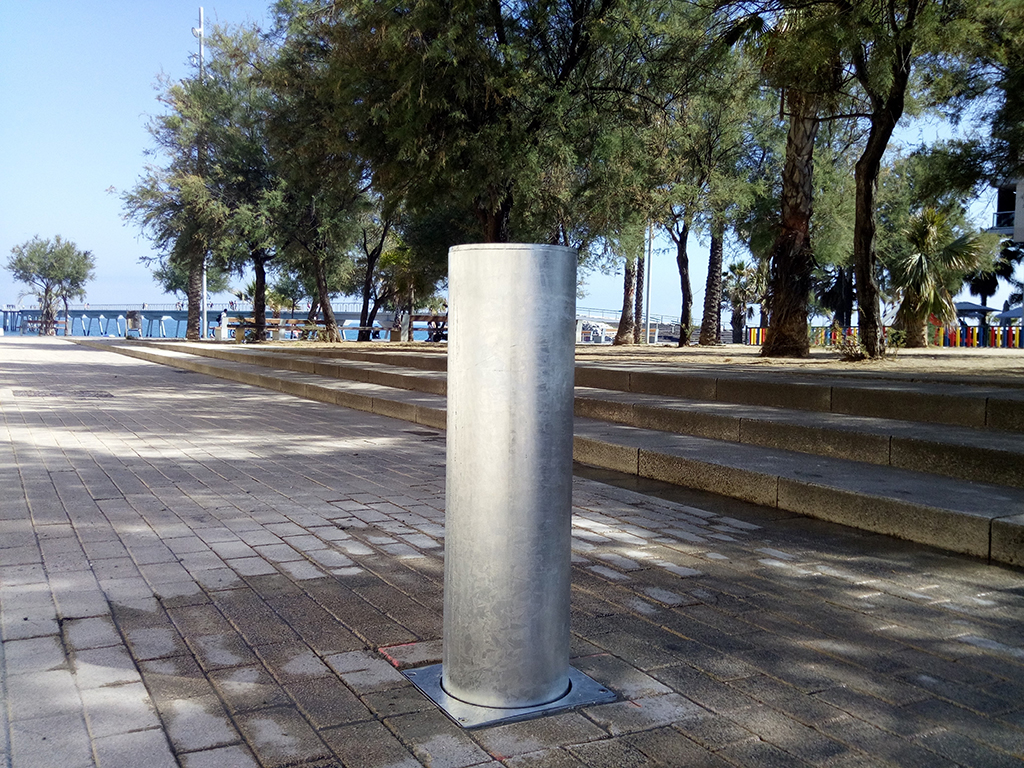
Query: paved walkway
[196, 573]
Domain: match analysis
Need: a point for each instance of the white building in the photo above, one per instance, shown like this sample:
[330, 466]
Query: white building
[1009, 216]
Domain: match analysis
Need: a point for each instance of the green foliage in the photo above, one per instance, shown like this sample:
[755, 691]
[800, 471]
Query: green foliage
[937, 178]
[214, 191]
[932, 270]
[349, 150]
[54, 270]
[742, 287]
[172, 277]
[291, 290]
[490, 109]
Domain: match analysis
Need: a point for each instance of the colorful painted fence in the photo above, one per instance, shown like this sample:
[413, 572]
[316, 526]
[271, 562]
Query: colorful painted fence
[1006, 337]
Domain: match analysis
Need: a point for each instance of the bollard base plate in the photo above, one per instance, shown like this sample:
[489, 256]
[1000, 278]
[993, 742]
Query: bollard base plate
[583, 691]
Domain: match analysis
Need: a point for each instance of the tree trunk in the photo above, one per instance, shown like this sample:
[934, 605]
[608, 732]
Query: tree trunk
[711, 326]
[683, 263]
[638, 314]
[737, 324]
[494, 215]
[869, 312]
[47, 314]
[844, 315]
[372, 257]
[885, 114]
[792, 261]
[259, 298]
[330, 324]
[917, 332]
[193, 329]
[624, 335]
[365, 318]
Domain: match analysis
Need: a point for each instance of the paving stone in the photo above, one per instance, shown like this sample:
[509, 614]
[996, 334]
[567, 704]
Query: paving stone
[664, 747]
[119, 709]
[175, 678]
[964, 722]
[236, 756]
[327, 702]
[291, 663]
[42, 694]
[154, 642]
[223, 650]
[96, 632]
[548, 758]
[365, 673]
[610, 753]
[370, 744]
[619, 676]
[197, 723]
[412, 655]
[870, 740]
[36, 654]
[437, 741]
[640, 714]
[540, 734]
[202, 619]
[132, 750]
[760, 754]
[281, 737]
[787, 734]
[396, 701]
[966, 751]
[21, 628]
[44, 741]
[712, 731]
[253, 618]
[248, 688]
[251, 566]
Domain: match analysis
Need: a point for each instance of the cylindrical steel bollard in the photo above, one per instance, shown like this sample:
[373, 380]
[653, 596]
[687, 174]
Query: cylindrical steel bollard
[509, 474]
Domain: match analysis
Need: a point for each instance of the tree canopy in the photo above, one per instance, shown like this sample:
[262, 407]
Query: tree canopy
[347, 148]
[54, 270]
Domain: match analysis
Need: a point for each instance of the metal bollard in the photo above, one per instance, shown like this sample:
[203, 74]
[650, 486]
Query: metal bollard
[509, 473]
[509, 485]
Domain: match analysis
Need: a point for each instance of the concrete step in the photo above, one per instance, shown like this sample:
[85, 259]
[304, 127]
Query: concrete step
[996, 403]
[429, 358]
[965, 453]
[986, 404]
[975, 518]
[402, 371]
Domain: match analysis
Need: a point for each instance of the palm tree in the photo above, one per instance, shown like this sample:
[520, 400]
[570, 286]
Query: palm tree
[933, 271]
[741, 287]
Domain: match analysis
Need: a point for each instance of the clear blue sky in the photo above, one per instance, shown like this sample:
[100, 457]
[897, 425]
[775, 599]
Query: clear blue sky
[77, 85]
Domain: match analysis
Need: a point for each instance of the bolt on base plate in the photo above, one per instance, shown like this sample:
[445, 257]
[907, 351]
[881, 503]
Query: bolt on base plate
[583, 691]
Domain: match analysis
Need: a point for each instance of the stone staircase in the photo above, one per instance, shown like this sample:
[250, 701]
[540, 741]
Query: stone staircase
[936, 460]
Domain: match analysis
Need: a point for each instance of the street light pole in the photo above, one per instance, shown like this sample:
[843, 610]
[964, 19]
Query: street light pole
[198, 32]
[650, 253]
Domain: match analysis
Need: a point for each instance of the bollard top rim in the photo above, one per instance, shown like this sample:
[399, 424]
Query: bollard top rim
[510, 247]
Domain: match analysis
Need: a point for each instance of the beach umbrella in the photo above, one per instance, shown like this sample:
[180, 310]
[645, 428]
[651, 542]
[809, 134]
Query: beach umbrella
[970, 309]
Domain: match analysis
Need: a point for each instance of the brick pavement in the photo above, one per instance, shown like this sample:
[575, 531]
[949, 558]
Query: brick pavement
[196, 573]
